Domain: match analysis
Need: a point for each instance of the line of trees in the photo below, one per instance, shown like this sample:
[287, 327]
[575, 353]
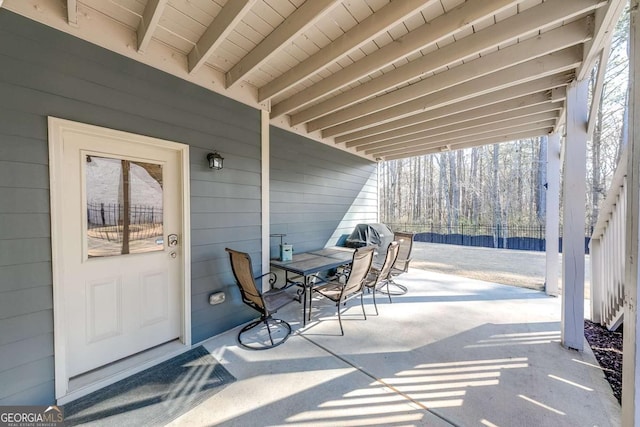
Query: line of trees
[504, 184]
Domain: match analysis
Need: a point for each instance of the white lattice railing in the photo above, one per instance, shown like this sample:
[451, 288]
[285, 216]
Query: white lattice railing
[607, 254]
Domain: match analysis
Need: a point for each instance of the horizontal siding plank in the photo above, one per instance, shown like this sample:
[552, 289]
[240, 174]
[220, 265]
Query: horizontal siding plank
[16, 148]
[23, 276]
[27, 326]
[24, 200]
[28, 350]
[24, 301]
[13, 252]
[25, 377]
[24, 226]
[228, 235]
[23, 175]
[41, 394]
[207, 220]
[207, 205]
[227, 191]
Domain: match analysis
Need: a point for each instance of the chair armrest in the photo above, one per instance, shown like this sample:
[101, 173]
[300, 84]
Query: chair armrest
[273, 278]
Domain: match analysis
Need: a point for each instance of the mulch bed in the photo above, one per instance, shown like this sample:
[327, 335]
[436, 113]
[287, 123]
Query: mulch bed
[607, 347]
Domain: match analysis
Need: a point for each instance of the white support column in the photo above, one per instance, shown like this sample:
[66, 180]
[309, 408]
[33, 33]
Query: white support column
[573, 225]
[552, 227]
[264, 144]
[631, 355]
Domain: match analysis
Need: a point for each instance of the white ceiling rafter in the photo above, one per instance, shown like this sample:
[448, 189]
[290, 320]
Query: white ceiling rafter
[457, 123]
[474, 141]
[303, 17]
[546, 118]
[504, 31]
[550, 64]
[420, 38]
[552, 41]
[409, 77]
[149, 22]
[377, 23]
[519, 95]
[216, 33]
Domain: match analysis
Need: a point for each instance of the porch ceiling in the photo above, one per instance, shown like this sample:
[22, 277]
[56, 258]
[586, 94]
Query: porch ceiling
[383, 79]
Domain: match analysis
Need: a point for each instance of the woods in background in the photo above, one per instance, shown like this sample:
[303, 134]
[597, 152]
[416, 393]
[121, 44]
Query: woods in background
[503, 185]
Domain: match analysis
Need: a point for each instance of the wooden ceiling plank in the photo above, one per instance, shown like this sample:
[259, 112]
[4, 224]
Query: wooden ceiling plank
[373, 26]
[458, 122]
[475, 142]
[558, 62]
[552, 41]
[519, 94]
[149, 21]
[223, 24]
[300, 19]
[507, 30]
[425, 35]
[534, 119]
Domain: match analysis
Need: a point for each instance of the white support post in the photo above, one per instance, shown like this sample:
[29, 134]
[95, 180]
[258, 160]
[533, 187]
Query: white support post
[597, 286]
[264, 144]
[631, 355]
[573, 226]
[552, 227]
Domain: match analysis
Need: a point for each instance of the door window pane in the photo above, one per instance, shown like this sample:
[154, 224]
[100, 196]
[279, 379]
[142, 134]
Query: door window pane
[124, 207]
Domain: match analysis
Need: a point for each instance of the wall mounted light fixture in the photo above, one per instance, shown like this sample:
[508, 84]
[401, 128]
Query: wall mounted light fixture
[215, 160]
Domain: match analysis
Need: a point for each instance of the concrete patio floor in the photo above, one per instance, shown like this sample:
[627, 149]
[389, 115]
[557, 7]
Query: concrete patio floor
[452, 352]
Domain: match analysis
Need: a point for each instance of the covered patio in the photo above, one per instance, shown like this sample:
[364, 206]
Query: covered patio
[302, 99]
[496, 363]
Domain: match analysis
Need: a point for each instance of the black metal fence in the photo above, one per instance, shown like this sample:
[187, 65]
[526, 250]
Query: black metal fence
[105, 221]
[528, 238]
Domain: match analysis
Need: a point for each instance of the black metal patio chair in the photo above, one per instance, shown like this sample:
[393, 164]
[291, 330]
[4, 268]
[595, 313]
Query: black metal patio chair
[266, 303]
[401, 265]
[348, 286]
[380, 278]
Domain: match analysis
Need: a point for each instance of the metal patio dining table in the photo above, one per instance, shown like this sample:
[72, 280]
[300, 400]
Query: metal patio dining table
[308, 265]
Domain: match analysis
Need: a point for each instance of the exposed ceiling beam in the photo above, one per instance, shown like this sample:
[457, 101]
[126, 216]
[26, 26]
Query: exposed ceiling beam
[550, 64]
[520, 94]
[457, 19]
[536, 121]
[374, 25]
[149, 21]
[510, 29]
[606, 19]
[444, 126]
[303, 17]
[473, 141]
[223, 24]
[552, 41]
[72, 12]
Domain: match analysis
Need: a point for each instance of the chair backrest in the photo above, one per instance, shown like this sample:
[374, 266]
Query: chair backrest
[242, 271]
[404, 253]
[389, 260]
[360, 266]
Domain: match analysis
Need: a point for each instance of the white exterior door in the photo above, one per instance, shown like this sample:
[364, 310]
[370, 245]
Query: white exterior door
[120, 247]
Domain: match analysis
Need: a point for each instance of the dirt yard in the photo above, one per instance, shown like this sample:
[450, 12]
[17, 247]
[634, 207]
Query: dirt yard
[509, 267]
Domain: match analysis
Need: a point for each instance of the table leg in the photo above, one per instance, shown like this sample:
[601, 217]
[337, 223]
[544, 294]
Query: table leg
[304, 305]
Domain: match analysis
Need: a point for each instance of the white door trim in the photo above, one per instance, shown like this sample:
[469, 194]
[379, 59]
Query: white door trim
[57, 127]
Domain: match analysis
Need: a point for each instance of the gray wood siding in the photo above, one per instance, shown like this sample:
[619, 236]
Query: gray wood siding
[45, 72]
[317, 193]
